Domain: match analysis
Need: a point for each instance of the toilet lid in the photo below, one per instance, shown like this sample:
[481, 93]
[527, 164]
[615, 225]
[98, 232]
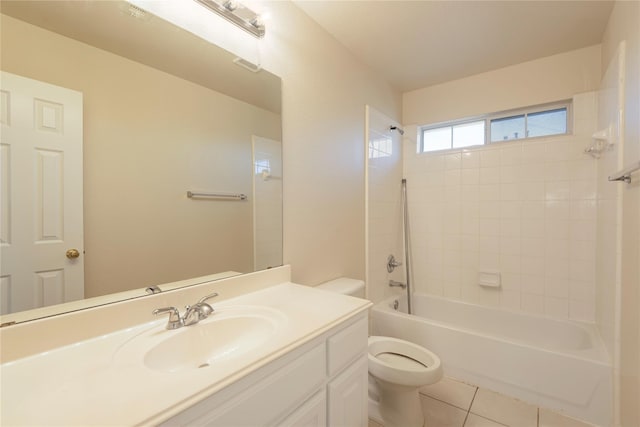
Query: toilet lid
[400, 361]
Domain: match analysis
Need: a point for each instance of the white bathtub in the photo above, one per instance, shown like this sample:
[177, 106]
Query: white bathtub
[561, 365]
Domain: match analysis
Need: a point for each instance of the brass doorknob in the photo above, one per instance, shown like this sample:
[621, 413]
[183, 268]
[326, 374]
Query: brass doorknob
[73, 253]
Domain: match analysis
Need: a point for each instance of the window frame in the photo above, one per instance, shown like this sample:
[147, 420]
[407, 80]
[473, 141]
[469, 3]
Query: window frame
[488, 118]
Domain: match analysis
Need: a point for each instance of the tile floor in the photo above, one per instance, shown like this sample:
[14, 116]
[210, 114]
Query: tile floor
[451, 403]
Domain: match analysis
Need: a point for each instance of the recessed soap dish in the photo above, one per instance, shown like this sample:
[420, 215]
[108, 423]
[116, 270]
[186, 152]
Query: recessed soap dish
[489, 279]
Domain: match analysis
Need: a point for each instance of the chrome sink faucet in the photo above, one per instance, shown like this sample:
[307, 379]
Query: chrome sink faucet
[193, 314]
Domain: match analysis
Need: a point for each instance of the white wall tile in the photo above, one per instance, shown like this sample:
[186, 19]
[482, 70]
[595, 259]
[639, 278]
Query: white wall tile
[583, 190]
[533, 266]
[488, 261]
[581, 291]
[470, 159]
[583, 210]
[510, 263]
[533, 152]
[433, 162]
[489, 192]
[510, 227]
[532, 191]
[510, 191]
[557, 190]
[510, 300]
[453, 161]
[511, 154]
[510, 173]
[557, 209]
[533, 246]
[527, 209]
[532, 228]
[511, 282]
[489, 175]
[556, 307]
[510, 246]
[470, 176]
[533, 172]
[489, 227]
[510, 209]
[533, 304]
[556, 287]
[582, 311]
[489, 157]
[533, 284]
[533, 209]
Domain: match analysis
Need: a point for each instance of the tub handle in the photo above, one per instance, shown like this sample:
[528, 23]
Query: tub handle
[392, 263]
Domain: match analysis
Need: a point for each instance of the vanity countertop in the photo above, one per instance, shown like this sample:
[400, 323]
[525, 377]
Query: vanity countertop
[101, 381]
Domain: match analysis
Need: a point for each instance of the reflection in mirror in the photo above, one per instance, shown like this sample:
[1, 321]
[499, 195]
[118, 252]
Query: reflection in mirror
[150, 112]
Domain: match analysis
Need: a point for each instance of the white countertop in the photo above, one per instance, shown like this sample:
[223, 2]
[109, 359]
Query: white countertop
[92, 383]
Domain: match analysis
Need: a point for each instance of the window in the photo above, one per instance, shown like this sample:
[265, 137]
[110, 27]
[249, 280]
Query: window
[550, 122]
[453, 136]
[531, 122]
[507, 128]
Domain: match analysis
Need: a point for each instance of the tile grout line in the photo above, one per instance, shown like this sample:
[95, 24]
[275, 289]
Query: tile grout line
[445, 402]
[470, 405]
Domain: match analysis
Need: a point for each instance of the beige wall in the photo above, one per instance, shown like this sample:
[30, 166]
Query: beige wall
[148, 138]
[624, 24]
[535, 82]
[323, 97]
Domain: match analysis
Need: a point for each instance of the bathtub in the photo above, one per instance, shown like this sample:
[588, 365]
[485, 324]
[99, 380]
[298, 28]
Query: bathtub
[556, 364]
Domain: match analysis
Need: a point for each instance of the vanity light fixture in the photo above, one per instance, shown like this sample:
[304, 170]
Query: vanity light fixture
[239, 15]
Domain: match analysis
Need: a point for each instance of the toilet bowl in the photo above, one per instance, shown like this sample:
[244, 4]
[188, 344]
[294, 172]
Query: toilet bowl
[398, 369]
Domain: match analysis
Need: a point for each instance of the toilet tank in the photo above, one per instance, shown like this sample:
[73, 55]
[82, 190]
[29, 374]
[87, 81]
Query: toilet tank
[344, 285]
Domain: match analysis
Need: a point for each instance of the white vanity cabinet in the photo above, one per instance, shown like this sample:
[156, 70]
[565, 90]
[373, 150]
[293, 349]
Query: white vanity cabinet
[321, 383]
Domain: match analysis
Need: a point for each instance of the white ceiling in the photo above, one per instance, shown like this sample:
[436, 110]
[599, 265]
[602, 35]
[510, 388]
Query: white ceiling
[414, 44]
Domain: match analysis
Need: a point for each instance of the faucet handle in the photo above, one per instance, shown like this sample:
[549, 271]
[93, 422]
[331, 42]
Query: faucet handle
[205, 309]
[203, 299]
[175, 321]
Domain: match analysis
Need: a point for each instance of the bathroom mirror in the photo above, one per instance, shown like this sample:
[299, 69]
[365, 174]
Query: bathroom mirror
[164, 113]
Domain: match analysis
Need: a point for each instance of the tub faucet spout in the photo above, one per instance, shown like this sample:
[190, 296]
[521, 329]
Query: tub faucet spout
[393, 283]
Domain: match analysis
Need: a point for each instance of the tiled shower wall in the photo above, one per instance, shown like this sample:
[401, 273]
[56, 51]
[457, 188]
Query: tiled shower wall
[525, 209]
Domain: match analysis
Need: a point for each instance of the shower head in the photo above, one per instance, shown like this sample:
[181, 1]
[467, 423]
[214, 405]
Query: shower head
[397, 128]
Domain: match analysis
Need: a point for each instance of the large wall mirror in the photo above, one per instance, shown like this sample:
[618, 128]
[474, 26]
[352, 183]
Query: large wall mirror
[159, 113]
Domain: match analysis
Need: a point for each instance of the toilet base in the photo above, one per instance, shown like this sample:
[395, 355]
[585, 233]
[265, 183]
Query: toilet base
[399, 406]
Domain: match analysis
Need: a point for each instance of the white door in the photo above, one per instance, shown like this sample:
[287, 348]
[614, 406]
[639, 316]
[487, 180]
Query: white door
[41, 194]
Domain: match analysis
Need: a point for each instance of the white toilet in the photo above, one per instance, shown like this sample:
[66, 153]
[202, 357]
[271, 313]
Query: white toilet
[398, 367]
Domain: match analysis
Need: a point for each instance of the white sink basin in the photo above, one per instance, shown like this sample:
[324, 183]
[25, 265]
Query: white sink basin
[225, 335]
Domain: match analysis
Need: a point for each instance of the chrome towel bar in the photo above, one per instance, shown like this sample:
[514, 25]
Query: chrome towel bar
[625, 174]
[193, 195]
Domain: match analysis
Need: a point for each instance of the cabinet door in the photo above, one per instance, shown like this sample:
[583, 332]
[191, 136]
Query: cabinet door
[313, 413]
[348, 396]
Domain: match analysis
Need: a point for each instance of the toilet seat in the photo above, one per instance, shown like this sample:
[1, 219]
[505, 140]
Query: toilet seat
[402, 362]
